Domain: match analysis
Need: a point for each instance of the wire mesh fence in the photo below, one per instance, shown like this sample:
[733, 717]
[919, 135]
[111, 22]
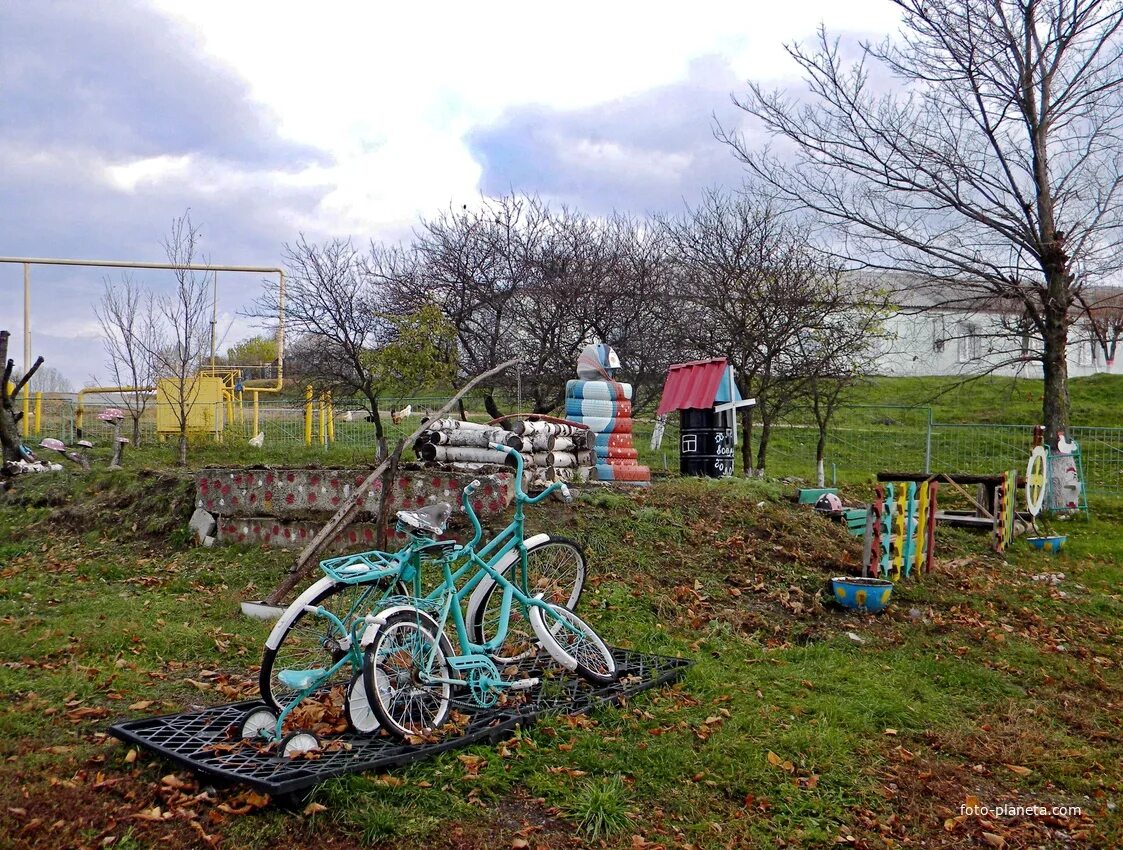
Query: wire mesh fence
[862, 440]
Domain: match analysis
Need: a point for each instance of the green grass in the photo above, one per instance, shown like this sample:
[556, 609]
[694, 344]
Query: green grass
[784, 730]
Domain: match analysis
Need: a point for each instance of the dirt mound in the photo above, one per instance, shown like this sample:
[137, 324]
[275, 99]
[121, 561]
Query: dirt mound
[145, 503]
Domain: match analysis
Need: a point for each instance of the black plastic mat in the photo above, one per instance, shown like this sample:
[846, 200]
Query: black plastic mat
[199, 740]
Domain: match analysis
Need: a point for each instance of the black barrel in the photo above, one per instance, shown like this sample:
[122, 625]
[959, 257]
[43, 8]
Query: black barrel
[705, 444]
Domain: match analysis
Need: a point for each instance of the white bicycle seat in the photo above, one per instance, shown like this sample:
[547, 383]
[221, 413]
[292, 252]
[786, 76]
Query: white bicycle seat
[431, 518]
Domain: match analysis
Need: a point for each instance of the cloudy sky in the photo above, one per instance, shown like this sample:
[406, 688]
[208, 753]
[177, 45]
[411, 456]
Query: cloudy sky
[267, 120]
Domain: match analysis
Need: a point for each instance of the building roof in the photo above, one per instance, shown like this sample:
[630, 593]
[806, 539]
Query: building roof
[700, 384]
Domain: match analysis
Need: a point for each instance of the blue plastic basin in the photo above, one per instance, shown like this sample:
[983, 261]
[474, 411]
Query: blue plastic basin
[862, 594]
[1052, 543]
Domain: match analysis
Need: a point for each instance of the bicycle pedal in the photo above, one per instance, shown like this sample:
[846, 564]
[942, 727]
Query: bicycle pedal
[522, 684]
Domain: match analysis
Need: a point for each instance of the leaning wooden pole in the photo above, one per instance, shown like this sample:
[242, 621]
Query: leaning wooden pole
[350, 507]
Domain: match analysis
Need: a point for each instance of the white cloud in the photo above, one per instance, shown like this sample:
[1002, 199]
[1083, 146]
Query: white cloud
[393, 90]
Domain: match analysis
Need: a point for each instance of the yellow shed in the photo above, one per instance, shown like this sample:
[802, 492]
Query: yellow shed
[202, 396]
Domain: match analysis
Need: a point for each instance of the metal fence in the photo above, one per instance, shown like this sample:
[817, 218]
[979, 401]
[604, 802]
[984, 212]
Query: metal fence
[862, 440]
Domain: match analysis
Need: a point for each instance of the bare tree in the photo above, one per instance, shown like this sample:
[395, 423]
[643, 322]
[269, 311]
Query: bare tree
[1104, 313]
[176, 330]
[331, 307]
[992, 168]
[50, 380]
[128, 339]
[748, 288]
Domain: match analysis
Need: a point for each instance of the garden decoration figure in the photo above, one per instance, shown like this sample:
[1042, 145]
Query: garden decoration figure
[115, 416]
[604, 405]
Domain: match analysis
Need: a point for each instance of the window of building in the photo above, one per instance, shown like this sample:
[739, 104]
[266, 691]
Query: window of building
[970, 344]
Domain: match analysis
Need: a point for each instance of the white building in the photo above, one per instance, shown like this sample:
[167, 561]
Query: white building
[986, 335]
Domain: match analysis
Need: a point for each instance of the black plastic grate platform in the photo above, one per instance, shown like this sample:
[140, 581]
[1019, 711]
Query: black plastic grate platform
[199, 740]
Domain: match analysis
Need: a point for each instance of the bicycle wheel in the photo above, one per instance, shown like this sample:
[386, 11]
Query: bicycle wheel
[360, 715]
[555, 568]
[573, 643]
[397, 665]
[304, 642]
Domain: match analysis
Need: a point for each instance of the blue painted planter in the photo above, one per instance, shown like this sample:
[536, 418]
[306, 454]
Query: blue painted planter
[1053, 543]
[862, 594]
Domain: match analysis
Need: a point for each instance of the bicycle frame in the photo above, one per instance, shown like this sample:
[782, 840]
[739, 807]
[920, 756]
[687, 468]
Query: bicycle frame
[405, 566]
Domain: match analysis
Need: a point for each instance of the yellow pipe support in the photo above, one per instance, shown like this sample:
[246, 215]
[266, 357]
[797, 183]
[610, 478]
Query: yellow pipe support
[307, 416]
[38, 414]
[331, 420]
[27, 262]
[323, 422]
[256, 412]
[25, 423]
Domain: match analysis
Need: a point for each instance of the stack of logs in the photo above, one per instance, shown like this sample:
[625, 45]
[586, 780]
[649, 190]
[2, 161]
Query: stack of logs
[552, 451]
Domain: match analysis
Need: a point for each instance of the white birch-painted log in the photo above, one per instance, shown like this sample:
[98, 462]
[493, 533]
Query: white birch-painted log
[573, 474]
[541, 459]
[473, 438]
[556, 429]
[448, 424]
[565, 444]
[462, 454]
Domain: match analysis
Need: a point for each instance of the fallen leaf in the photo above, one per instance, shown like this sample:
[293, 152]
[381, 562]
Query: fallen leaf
[314, 809]
[1018, 769]
[996, 841]
[130, 756]
[890, 731]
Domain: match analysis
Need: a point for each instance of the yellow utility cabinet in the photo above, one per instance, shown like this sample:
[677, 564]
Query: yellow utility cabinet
[202, 395]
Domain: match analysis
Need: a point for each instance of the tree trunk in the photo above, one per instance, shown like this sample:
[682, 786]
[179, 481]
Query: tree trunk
[463, 413]
[1055, 366]
[183, 447]
[747, 442]
[492, 408]
[820, 455]
[762, 446]
[136, 430]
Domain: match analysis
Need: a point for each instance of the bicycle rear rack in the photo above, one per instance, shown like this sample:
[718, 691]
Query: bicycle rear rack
[201, 740]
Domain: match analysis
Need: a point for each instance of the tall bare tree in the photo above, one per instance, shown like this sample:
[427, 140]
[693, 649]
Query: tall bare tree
[749, 288]
[332, 308]
[128, 339]
[177, 332]
[981, 150]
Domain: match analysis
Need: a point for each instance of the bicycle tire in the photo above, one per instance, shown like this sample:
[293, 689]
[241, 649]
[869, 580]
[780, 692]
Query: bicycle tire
[564, 576]
[302, 641]
[573, 644]
[406, 706]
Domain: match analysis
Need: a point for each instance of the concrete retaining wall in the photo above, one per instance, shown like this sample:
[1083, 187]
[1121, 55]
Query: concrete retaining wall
[286, 507]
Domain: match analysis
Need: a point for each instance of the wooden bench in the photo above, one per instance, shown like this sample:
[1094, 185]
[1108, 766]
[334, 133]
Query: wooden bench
[810, 495]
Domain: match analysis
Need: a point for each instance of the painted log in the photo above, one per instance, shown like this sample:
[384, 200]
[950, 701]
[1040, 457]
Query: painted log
[464, 454]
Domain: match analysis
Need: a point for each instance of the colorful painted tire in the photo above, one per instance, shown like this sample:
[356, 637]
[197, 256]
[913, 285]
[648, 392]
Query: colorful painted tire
[604, 472]
[604, 390]
[612, 441]
[597, 407]
[614, 454]
[604, 424]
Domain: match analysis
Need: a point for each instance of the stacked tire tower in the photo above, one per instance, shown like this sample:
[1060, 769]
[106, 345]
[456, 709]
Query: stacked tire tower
[604, 405]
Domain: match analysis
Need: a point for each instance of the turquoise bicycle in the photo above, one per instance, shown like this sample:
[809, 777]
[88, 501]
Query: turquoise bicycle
[410, 669]
[314, 647]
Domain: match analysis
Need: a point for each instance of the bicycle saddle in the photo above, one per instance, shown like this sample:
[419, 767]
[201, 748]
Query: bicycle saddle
[431, 518]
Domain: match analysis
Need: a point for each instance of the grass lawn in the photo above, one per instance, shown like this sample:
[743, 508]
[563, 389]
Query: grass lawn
[797, 726]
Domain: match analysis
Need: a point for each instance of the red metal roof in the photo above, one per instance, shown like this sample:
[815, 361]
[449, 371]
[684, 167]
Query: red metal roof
[692, 385]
